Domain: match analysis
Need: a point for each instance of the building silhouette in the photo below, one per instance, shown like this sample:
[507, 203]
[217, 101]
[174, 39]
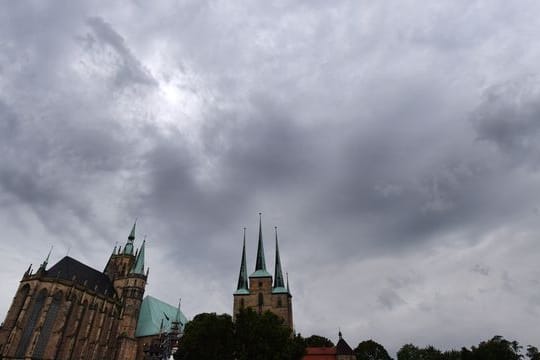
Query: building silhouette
[260, 291]
[72, 311]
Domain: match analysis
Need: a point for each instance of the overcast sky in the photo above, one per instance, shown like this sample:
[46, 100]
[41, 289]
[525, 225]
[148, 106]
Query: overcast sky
[395, 144]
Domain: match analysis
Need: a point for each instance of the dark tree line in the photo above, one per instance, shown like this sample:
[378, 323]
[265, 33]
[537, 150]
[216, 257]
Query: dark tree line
[256, 336]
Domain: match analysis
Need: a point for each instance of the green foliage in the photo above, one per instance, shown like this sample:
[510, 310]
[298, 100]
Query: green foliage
[532, 353]
[207, 337]
[370, 350]
[252, 337]
[498, 348]
[318, 341]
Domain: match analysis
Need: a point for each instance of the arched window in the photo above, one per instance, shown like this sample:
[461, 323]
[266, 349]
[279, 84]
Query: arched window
[242, 304]
[28, 328]
[279, 302]
[19, 301]
[261, 302]
[47, 327]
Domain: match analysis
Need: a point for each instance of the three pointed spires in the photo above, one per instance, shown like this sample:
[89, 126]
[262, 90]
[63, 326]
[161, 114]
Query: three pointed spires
[260, 266]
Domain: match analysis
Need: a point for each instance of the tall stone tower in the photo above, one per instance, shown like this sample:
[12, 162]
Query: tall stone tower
[260, 292]
[126, 271]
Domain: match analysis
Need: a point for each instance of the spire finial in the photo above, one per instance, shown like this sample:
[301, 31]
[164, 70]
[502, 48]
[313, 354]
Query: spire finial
[339, 333]
[278, 273]
[242, 276]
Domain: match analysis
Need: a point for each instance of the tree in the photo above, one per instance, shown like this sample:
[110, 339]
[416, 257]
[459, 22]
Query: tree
[207, 337]
[498, 348]
[532, 353]
[408, 352]
[264, 337]
[318, 341]
[370, 350]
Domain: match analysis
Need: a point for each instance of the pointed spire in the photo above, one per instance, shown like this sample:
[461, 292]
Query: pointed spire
[242, 286]
[46, 261]
[261, 263]
[132, 233]
[128, 249]
[278, 274]
[138, 266]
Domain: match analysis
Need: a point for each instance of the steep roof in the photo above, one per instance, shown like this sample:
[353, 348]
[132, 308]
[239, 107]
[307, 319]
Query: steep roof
[242, 287]
[342, 348]
[153, 312]
[68, 269]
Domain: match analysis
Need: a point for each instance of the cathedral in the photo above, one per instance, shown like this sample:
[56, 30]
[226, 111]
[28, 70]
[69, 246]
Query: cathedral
[72, 311]
[260, 292]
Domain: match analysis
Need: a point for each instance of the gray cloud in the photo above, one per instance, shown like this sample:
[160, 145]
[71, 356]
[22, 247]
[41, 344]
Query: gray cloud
[395, 148]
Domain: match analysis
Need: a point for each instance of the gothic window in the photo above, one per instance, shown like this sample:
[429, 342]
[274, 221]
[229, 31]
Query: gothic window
[242, 303]
[279, 302]
[21, 298]
[47, 327]
[28, 328]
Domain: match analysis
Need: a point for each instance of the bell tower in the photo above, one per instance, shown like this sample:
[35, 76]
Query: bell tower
[127, 273]
[260, 292]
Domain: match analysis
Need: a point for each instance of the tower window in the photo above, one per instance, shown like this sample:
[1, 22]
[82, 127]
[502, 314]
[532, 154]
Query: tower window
[261, 301]
[242, 303]
[279, 302]
[260, 284]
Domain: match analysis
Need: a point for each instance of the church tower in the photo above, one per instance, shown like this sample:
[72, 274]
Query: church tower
[260, 292]
[126, 271]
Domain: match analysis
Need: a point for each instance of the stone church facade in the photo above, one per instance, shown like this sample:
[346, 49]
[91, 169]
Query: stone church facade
[72, 311]
[260, 291]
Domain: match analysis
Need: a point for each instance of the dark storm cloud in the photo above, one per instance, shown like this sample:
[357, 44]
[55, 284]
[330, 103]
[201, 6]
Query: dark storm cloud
[130, 70]
[509, 118]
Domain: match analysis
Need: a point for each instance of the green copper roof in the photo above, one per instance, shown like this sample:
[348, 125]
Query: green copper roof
[242, 292]
[152, 312]
[138, 266]
[278, 274]
[242, 277]
[128, 249]
[260, 266]
[260, 273]
[280, 290]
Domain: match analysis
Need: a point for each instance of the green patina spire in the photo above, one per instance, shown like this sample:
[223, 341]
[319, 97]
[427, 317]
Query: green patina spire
[242, 287]
[260, 266]
[279, 285]
[138, 266]
[46, 261]
[128, 249]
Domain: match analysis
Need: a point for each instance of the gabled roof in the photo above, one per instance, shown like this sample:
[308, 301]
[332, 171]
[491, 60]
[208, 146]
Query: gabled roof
[342, 348]
[153, 312]
[69, 269]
